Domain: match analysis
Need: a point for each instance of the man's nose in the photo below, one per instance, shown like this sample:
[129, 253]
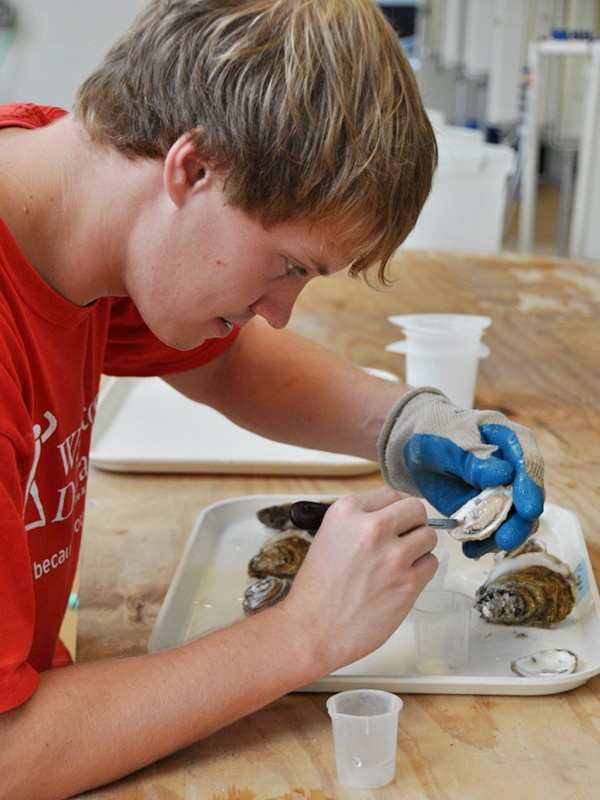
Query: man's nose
[276, 305]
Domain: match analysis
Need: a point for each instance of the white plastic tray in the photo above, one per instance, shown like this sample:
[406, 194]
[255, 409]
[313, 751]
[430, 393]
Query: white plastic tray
[144, 425]
[207, 588]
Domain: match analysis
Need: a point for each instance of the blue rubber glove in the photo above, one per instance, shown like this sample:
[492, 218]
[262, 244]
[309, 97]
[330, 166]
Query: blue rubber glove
[430, 447]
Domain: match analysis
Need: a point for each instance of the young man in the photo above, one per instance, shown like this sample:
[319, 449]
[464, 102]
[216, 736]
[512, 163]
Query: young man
[225, 153]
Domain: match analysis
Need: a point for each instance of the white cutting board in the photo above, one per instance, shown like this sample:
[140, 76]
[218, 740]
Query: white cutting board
[144, 425]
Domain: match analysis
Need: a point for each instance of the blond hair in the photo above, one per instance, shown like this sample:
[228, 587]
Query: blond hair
[310, 107]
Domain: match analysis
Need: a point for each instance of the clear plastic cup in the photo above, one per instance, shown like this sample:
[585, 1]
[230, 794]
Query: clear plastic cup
[443, 557]
[441, 623]
[365, 732]
[442, 350]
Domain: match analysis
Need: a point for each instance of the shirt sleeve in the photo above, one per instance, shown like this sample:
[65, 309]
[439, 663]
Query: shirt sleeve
[133, 350]
[18, 679]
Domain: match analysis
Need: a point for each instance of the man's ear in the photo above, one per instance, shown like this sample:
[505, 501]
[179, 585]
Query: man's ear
[185, 170]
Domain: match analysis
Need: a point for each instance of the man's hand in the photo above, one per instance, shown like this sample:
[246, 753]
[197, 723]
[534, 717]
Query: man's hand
[430, 447]
[368, 562]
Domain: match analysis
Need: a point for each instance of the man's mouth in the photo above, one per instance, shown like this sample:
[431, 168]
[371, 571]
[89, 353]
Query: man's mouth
[228, 325]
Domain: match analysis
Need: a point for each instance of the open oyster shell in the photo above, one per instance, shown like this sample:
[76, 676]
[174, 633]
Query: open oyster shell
[281, 555]
[265, 592]
[533, 589]
[545, 664]
[482, 515]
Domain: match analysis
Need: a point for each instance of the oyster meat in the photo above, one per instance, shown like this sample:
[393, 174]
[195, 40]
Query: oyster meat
[545, 664]
[265, 592]
[482, 515]
[533, 589]
[281, 555]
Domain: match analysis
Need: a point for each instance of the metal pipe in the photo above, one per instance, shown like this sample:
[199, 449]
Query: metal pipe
[585, 169]
[530, 150]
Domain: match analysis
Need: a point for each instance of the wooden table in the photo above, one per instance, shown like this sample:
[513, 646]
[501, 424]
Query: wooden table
[544, 371]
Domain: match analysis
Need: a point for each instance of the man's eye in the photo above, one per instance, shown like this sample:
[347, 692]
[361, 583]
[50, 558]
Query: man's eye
[293, 268]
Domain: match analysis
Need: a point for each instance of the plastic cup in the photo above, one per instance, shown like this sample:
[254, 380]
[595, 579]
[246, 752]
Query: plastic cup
[441, 623]
[443, 557]
[442, 350]
[365, 731]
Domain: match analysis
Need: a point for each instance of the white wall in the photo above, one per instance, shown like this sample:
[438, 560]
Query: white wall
[56, 44]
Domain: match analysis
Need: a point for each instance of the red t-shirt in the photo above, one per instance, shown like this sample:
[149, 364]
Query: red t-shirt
[52, 355]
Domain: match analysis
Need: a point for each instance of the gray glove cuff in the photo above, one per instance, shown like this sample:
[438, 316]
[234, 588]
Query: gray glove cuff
[390, 444]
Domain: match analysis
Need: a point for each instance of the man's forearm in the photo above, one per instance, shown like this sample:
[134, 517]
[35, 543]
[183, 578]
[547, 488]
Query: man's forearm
[91, 724]
[286, 387]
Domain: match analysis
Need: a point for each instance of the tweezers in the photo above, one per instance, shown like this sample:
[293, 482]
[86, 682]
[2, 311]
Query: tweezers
[308, 515]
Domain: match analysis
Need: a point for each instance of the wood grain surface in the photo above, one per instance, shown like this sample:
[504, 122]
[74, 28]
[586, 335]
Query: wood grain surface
[544, 371]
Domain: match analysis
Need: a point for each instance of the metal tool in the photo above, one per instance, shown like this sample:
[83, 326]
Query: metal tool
[447, 524]
[308, 515]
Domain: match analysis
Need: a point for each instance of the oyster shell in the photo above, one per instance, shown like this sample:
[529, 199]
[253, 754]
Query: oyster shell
[482, 515]
[532, 589]
[281, 555]
[276, 517]
[528, 546]
[308, 514]
[545, 664]
[265, 592]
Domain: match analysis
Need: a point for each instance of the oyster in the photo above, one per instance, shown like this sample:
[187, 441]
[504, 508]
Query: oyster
[482, 515]
[528, 546]
[545, 664]
[532, 589]
[281, 555]
[308, 514]
[276, 517]
[265, 592]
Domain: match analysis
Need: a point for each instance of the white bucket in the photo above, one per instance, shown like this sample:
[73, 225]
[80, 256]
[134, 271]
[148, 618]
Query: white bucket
[465, 209]
[442, 350]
